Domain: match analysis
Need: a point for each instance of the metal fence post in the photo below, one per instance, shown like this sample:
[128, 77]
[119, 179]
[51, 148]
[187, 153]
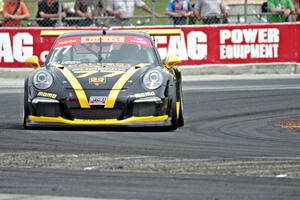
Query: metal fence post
[246, 11]
[153, 11]
[59, 13]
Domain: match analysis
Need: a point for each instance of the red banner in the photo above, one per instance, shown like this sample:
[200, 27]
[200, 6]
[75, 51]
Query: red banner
[197, 45]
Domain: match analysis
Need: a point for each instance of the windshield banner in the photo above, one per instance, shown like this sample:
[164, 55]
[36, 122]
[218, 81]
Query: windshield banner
[197, 45]
[96, 39]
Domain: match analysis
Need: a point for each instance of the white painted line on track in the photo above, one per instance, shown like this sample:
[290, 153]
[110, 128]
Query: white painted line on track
[11, 90]
[12, 85]
[36, 197]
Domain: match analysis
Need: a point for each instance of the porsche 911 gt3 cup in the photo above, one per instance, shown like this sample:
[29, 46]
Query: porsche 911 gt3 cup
[104, 78]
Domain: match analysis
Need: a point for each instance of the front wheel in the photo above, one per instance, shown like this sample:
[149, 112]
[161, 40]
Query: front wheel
[26, 108]
[180, 117]
[173, 109]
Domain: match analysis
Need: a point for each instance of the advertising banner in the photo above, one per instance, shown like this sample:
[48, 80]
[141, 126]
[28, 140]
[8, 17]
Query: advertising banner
[197, 45]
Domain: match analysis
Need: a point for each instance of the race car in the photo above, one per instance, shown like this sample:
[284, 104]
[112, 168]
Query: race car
[104, 78]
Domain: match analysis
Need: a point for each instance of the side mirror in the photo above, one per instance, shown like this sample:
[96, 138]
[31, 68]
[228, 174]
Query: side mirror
[171, 61]
[33, 62]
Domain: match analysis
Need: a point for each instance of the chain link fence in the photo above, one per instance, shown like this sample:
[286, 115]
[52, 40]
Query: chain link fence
[106, 13]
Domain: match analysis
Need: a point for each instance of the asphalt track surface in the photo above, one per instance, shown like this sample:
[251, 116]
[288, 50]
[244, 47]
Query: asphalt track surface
[230, 121]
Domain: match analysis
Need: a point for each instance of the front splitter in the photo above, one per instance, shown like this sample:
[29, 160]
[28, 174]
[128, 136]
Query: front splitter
[130, 122]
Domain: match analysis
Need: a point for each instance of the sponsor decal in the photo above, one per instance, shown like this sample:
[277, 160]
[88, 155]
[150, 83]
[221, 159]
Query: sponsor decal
[15, 49]
[97, 80]
[197, 45]
[100, 69]
[93, 66]
[116, 65]
[144, 94]
[249, 43]
[96, 39]
[46, 94]
[98, 100]
[66, 42]
[192, 45]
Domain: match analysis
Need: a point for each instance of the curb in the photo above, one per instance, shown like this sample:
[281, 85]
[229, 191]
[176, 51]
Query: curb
[254, 69]
[15, 73]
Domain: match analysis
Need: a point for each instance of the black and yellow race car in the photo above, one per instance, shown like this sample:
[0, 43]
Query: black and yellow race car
[104, 78]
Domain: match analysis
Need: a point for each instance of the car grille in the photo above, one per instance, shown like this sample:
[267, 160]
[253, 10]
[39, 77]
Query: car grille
[95, 113]
[48, 109]
[145, 109]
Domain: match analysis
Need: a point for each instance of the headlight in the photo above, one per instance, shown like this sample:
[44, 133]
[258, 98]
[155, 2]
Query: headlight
[153, 79]
[42, 80]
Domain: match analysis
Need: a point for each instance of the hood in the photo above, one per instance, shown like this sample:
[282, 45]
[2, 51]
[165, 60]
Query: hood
[100, 77]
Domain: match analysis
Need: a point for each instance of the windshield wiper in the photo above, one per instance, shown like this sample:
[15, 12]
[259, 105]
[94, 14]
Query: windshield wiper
[90, 49]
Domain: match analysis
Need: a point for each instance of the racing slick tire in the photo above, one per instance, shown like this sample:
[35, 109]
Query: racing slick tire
[26, 107]
[180, 117]
[173, 113]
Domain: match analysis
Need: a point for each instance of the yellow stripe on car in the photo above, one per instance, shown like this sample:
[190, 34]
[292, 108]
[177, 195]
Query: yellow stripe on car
[130, 120]
[56, 33]
[83, 101]
[177, 108]
[154, 32]
[113, 95]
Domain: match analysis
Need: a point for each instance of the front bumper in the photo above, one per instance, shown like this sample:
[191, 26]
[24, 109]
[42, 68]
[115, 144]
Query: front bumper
[138, 112]
[42, 121]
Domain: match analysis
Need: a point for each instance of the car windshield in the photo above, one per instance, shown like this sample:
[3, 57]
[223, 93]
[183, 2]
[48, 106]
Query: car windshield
[131, 50]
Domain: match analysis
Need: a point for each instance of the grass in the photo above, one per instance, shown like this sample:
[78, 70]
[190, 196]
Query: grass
[160, 8]
[32, 7]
